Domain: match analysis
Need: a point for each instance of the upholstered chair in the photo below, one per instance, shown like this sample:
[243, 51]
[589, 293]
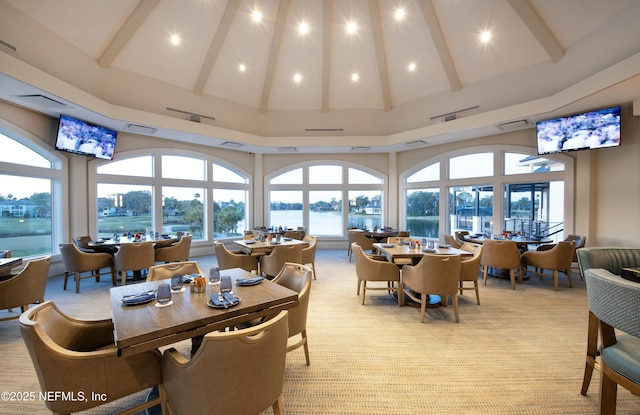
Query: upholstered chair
[176, 252]
[78, 264]
[469, 269]
[309, 253]
[227, 259]
[369, 269]
[166, 271]
[79, 356]
[82, 242]
[459, 236]
[238, 372]
[615, 303]
[451, 241]
[357, 236]
[434, 274]
[556, 259]
[503, 254]
[134, 256]
[297, 277]
[271, 264]
[294, 234]
[26, 287]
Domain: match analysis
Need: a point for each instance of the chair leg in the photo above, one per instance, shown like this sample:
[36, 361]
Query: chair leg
[364, 290]
[592, 351]
[569, 278]
[555, 279]
[114, 280]
[306, 347]
[77, 282]
[313, 270]
[485, 271]
[278, 406]
[358, 289]
[512, 275]
[608, 393]
[66, 278]
[423, 307]
[456, 311]
[475, 285]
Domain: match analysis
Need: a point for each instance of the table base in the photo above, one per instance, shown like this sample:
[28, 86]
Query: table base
[432, 300]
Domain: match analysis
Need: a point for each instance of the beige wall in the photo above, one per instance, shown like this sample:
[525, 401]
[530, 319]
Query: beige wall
[607, 196]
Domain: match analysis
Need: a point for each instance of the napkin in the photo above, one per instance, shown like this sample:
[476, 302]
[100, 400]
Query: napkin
[138, 298]
[249, 281]
[229, 300]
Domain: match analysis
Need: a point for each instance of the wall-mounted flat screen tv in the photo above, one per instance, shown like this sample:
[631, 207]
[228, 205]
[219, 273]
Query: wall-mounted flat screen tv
[80, 137]
[589, 130]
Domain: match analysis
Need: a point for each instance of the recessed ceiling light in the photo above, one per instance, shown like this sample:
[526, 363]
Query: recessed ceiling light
[303, 28]
[256, 16]
[399, 14]
[355, 77]
[485, 36]
[412, 67]
[175, 39]
[352, 27]
[297, 77]
[242, 67]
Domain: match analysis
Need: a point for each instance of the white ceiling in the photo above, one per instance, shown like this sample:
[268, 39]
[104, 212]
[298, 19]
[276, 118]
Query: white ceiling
[111, 62]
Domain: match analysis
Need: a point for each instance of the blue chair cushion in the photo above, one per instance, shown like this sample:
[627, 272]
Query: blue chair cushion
[624, 357]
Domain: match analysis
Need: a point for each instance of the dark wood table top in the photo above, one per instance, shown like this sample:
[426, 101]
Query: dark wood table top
[394, 251]
[164, 241]
[518, 239]
[253, 247]
[143, 327]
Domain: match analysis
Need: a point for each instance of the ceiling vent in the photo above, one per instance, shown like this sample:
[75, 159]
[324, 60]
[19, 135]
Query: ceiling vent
[140, 129]
[287, 149]
[192, 116]
[324, 129]
[514, 125]
[417, 143]
[231, 144]
[8, 47]
[360, 149]
[450, 116]
[41, 101]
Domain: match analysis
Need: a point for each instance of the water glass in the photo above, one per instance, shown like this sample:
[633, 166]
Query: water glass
[164, 294]
[431, 245]
[214, 275]
[176, 282]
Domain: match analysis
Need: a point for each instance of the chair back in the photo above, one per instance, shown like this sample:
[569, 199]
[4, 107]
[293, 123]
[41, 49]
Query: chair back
[469, 267]
[82, 242]
[297, 278]
[451, 241]
[26, 287]
[135, 256]
[358, 237]
[368, 269]
[614, 300]
[459, 235]
[309, 253]
[227, 259]
[76, 260]
[500, 254]
[272, 264]
[436, 274]
[176, 252]
[295, 234]
[234, 372]
[166, 271]
[394, 239]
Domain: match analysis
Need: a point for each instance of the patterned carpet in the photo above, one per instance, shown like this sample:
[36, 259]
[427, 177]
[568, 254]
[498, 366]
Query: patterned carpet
[520, 352]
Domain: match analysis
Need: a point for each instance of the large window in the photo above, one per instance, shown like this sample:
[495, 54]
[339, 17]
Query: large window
[31, 188]
[325, 198]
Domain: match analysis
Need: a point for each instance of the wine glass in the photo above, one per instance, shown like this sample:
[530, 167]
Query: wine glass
[214, 275]
[176, 283]
[164, 294]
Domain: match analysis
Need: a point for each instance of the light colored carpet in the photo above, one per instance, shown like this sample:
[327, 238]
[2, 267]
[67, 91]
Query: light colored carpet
[519, 352]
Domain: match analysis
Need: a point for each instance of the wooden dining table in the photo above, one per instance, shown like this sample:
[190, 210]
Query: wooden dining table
[7, 264]
[395, 251]
[109, 244]
[255, 247]
[143, 327]
[520, 240]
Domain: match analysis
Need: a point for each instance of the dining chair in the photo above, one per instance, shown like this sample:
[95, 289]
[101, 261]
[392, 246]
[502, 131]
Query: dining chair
[309, 253]
[470, 268]
[357, 236]
[369, 269]
[78, 263]
[5, 253]
[238, 372]
[82, 242]
[503, 254]
[297, 278]
[134, 256]
[556, 259]
[615, 302]
[166, 271]
[434, 274]
[405, 240]
[26, 287]
[79, 356]
[294, 233]
[227, 259]
[176, 252]
[459, 236]
[271, 264]
[579, 241]
[451, 241]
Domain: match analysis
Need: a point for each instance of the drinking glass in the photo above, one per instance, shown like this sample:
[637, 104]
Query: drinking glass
[214, 275]
[164, 294]
[431, 245]
[176, 282]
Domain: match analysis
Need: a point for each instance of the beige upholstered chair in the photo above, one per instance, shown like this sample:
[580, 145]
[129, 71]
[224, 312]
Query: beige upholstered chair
[503, 254]
[73, 356]
[579, 242]
[451, 241]
[357, 236]
[134, 256]
[176, 252]
[434, 274]
[558, 258]
[297, 277]
[459, 235]
[82, 242]
[369, 269]
[309, 253]
[237, 372]
[228, 259]
[77, 263]
[166, 271]
[615, 303]
[295, 234]
[470, 268]
[271, 264]
[26, 287]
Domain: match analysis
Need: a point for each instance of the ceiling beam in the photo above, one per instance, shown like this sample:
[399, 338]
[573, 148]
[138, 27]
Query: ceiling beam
[381, 52]
[327, 53]
[441, 44]
[274, 53]
[126, 32]
[216, 45]
[539, 29]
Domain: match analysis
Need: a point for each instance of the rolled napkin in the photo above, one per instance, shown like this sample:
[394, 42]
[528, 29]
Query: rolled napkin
[249, 281]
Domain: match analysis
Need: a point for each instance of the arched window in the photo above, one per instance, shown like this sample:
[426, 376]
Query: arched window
[169, 193]
[326, 198]
[32, 185]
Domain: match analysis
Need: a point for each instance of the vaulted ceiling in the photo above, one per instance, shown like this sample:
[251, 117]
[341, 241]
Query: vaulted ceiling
[366, 75]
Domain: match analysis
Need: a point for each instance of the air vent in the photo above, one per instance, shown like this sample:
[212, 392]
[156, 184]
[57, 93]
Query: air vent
[192, 116]
[140, 129]
[360, 149]
[287, 149]
[41, 101]
[514, 125]
[416, 143]
[324, 129]
[231, 144]
[8, 46]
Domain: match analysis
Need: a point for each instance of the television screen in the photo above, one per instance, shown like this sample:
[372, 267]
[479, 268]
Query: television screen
[590, 130]
[80, 137]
